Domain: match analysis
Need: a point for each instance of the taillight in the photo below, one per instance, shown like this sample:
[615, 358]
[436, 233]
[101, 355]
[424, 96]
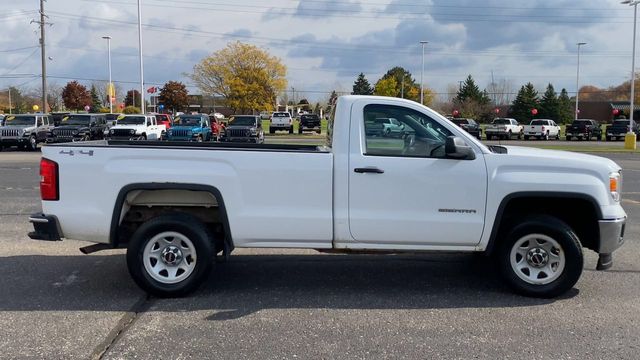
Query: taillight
[542, 127]
[49, 180]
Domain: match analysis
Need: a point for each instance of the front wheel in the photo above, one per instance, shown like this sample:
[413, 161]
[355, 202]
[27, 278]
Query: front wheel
[33, 143]
[541, 257]
[170, 255]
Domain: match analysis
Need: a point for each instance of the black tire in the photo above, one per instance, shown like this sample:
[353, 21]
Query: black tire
[299, 129]
[526, 137]
[546, 136]
[570, 247]
[33, 143]
[519, 136]
[272, 130]
[568, 138]
[320, 131]
[291, 130]
[189, 227]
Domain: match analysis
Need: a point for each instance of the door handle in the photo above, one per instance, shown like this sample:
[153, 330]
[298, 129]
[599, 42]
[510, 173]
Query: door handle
[372, 170]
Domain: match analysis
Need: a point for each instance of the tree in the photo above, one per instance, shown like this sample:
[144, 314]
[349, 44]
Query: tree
[565, 110]
[247, 76]
[361, 86]
[132, 98]
[75, 96]
[525, 101]
[316, 109]
[131, 110]
[304, 105]
[470, 91]
[386, 87]
[549, 104]
[174, 95]
[96, 104]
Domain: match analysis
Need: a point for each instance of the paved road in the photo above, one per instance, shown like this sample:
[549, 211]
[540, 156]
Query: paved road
[57, 303]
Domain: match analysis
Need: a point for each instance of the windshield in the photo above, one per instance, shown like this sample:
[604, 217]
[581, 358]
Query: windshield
[501, 122]
[75, 120]
[460, 121]
[581, 122]
[111, 117]
[187, 120]
[283, 114]
[132, 120]
[622, 122]
[309, 117]
[19, 120]
[538, 122]
[243, 121]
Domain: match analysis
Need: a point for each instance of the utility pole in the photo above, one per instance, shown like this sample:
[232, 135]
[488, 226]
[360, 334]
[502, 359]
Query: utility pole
[9, 100]
[142, 107]
[44, 58]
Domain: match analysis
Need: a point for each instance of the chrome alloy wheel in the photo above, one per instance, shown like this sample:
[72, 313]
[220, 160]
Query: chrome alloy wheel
[537, 259]
[169, 257]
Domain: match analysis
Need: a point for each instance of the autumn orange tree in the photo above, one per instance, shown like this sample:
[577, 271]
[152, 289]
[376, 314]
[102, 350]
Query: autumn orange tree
[174, 96]
[75, 96]
[248, 77]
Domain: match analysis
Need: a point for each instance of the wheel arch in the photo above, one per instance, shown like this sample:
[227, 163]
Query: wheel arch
[119, 206]
[567, 206]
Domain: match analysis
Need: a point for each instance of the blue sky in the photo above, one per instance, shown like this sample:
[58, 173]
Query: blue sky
[326, 43]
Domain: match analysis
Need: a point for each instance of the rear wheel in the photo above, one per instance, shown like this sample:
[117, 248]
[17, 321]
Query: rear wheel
[526, 137]
[546, 136]
[541, 257]
[291, 130]
[299, 129]
[170, 255]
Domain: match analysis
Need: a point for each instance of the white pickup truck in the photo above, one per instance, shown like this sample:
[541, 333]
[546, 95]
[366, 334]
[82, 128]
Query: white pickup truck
[503, 128]
[137, 127]
[435, 188]
[543, 129]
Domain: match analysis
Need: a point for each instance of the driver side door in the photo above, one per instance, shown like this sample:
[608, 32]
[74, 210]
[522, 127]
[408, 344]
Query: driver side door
[403, 192]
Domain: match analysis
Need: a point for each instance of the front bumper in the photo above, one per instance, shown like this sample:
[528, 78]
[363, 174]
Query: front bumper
[46, 227]
[611, 235]
[13, 141]
[240, 139]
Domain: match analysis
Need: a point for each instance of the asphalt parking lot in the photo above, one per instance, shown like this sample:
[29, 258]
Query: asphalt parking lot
[268, 304]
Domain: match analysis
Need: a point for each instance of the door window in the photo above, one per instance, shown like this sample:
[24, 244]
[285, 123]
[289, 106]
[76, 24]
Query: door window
[39, 123]
[414, 134]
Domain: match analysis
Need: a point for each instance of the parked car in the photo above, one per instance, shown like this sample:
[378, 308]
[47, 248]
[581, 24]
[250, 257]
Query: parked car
[137, 127]
[265, 115]
[436, 189]
[309, 122]
[25, 131]
[620, 128]
[469, 125]
[503, 128]
[542, 129]
[243, 128]
[281, 121]
[191, 128]
[79, 127]
[584, 129]
[164, 119]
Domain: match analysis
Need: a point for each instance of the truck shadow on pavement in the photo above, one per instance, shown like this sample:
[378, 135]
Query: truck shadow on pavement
[250, 283]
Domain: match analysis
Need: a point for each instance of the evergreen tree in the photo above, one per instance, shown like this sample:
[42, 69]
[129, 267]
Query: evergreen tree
[525, 101]
[96, 104]
[565, 110]
[361, 86]
[549, 104]
[471, 91]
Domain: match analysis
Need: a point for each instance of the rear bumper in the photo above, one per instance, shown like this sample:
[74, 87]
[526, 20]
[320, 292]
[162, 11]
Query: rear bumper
[46, 227]
[611, 235]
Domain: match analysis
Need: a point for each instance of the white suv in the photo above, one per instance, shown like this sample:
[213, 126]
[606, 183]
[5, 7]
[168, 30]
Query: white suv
[137, 127]
[281, 121]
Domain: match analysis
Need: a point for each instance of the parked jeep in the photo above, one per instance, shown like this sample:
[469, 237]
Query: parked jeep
[25, 131]
[194, 127]
[309, 122]
[137, 127]
[243, 128]
[79, 127]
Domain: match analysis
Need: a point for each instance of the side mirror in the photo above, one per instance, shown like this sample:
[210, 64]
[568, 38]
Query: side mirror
[456, 148]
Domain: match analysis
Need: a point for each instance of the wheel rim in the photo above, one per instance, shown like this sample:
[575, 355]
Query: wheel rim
[169, 257]
[33, 143]
[537, 259]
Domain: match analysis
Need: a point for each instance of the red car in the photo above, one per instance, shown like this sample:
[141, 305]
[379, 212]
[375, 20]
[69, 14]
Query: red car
[164, 119]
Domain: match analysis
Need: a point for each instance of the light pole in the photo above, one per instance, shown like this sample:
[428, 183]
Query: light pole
[633, 60]
[422, 74]
[110, 86]
[578, 80]
[142, 109]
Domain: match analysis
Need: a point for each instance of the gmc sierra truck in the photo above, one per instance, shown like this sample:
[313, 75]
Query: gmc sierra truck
[175, 206]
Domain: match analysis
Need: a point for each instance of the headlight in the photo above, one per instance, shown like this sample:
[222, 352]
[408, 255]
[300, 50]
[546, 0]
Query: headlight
[170, 132]
[254, 132]
[132, 132]
[190, 133]
[75, 132]
[111, 132]
[615, 185]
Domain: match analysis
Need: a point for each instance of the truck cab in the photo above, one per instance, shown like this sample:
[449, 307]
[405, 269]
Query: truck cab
[193, 127]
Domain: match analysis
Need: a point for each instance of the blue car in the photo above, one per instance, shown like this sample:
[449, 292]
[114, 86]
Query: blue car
[194, 127]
